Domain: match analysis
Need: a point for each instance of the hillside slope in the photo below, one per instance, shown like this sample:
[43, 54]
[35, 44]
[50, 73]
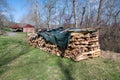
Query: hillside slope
[19, 61]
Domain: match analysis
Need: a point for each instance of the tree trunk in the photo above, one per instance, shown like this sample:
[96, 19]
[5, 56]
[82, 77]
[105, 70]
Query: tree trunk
[83, 13]
[37, 14]
[99, 12]
[116, 16]
[75, 16]
[48, 18]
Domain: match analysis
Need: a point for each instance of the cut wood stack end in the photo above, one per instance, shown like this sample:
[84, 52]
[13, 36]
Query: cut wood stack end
[81, 46]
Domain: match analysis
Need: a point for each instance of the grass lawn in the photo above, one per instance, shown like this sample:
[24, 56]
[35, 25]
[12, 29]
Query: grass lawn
[19, 61]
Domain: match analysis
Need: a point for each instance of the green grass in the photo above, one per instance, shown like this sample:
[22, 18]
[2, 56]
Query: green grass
[6, 29]
[19, 61]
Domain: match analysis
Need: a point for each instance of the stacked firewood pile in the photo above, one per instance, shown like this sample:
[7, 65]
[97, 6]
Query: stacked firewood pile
[43, 45]
[82, 45]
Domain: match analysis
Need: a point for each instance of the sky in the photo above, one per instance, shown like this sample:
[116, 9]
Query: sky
[18, 7]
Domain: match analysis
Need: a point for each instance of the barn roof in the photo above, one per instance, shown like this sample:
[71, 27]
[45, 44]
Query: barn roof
[16, 26]
[28, 26]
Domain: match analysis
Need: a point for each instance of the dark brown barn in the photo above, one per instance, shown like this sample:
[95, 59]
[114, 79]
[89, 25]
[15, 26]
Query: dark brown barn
[16, 27]
[29, 28]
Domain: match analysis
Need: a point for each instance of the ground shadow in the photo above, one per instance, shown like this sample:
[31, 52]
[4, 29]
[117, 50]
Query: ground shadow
[66, 69]
[6, 60]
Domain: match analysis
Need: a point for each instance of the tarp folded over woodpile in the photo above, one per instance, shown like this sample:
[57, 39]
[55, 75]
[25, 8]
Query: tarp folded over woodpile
[56, 36]
[77, 44]
[60, 36]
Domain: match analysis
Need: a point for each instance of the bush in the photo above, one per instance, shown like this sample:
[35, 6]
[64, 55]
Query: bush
[110, 38]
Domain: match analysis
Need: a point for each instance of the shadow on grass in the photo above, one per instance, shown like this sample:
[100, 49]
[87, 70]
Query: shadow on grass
[10, 56]
[66, 69]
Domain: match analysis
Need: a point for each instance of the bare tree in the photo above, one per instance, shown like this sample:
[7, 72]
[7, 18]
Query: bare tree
[74, 10]
[37, 13]
[4, 13]
[50, 5]
[33, 14]
[61, 9]
[99, 11]
[89, 11]
[83, 13]
[116, 16]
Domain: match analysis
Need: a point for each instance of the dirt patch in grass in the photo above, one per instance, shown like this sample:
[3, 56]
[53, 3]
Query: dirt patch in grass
[11, 33]
[110, 55]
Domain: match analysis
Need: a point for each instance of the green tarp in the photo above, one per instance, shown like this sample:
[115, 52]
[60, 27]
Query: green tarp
[60, 36]
[56, 36]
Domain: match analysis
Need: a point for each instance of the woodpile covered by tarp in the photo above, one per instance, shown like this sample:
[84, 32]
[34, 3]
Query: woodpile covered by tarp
[81, 44]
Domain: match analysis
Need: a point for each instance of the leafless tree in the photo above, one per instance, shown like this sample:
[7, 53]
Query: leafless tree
[33, 14]
[75, 16]
[99, 11]
[4, 13]
[61, 8]
[89, 13]
[37, 13]
[50, 5]
[83, 13]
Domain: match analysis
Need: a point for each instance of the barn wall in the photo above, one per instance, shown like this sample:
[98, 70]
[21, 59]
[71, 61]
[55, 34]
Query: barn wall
[28, 30]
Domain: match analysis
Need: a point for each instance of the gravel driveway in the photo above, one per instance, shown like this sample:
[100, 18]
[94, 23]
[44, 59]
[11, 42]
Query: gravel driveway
[11, 33]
